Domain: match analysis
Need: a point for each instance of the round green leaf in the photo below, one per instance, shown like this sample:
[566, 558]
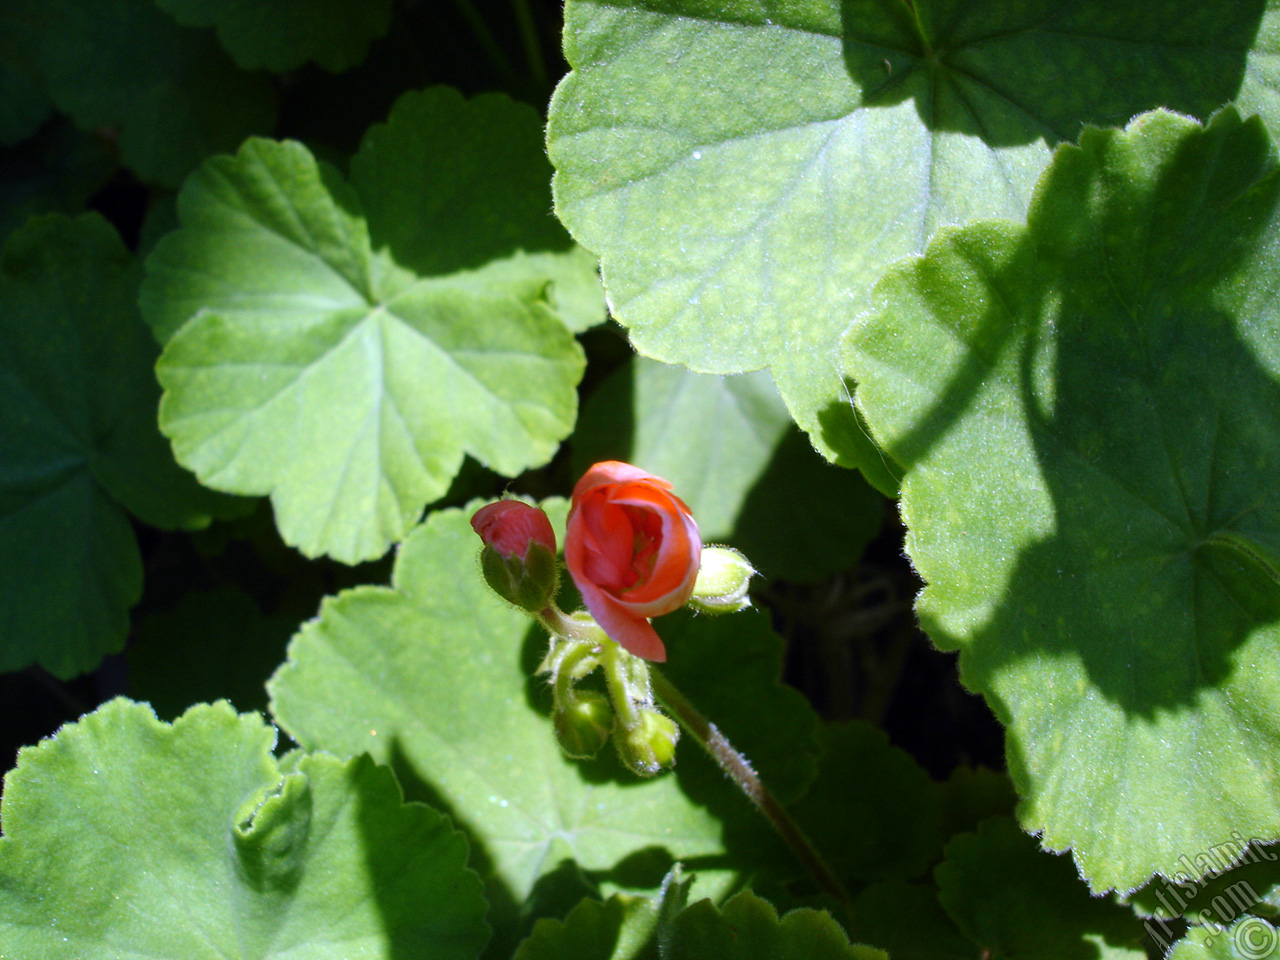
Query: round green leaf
[747, 171]
[1089, 413]
[78, 440]
[128, 837]
[433, 675]
[451, 184]
[172, 94]
[282, 35]
[1015, 901]
[322, 373]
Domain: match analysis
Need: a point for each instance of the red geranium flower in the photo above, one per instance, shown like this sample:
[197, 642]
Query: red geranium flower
[632, 548]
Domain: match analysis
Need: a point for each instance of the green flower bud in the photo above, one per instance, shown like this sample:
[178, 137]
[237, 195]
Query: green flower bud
[723, 580]
[651, 746]
[583, 724]
[529, 582]
[519, 555]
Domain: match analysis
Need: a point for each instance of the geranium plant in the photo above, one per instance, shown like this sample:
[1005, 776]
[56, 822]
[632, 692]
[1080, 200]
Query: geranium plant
[667, 479]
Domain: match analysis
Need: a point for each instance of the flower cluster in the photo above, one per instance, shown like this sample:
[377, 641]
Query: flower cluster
[633, 550]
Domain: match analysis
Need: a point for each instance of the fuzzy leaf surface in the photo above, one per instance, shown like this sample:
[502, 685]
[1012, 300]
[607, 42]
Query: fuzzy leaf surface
[1088, 410]
[321, 372]
[128, 837]
[747, 171]
[1249, 938]
[433, 675]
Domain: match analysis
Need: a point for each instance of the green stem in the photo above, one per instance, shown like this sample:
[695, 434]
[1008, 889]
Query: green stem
[624, 707]
[532, 48]
[740, 771]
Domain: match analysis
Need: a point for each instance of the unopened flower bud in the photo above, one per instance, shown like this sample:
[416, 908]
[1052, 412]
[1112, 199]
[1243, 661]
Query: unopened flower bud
[651, 746]
[583, 724]
[519, 555]
[723, 580]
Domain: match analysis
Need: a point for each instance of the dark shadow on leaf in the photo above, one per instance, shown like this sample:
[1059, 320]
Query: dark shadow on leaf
[1153, 426]
[843, 429]
[786, 527]
[504, 909]
[1013, 74]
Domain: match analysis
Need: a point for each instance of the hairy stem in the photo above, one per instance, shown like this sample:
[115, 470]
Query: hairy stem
[741, 772]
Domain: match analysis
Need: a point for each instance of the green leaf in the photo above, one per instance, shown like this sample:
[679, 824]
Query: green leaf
[729, 447]
[282, 35]
[56, 171]
[1249, 938]
[1237, 876]
[1014, 900]
[747, 171]
[450, 184]
[174, 96]
[748, 928]
[24, 105]
[618, 929]
[872, 810]
[730, 667]
[972, 794]
[1092, 512]
[78, 441]
[326, 375]
[433, 675]
[907, 921]
[214, 644]
[128, 837]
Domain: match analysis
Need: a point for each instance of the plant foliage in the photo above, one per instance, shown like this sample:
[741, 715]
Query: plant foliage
[958, 318]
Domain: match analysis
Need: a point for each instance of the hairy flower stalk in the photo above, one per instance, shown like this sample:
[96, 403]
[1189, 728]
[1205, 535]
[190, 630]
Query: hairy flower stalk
[633, 550]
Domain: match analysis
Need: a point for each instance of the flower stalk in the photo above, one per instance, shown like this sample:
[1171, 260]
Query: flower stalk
[740, 771]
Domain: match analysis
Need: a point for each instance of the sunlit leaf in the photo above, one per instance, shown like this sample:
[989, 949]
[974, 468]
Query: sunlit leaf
[1089, 413]
[747, 171]
[433, 675]
[128, 837]
[319, 371]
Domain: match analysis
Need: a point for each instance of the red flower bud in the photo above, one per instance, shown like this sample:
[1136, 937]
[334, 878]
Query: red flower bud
[632, 548]
[511, 527]
[519, 555]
